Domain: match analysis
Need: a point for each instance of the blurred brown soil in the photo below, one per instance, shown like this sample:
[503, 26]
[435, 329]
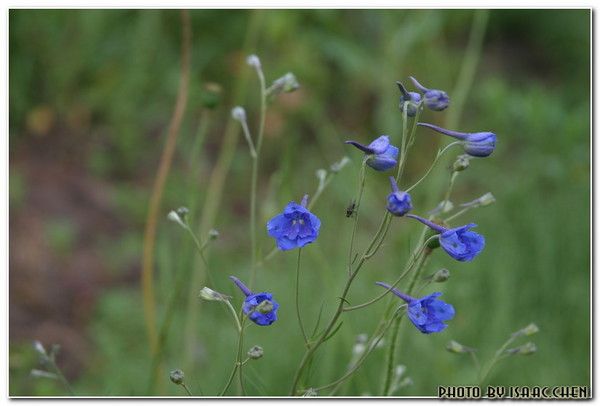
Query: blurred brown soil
[53, 292]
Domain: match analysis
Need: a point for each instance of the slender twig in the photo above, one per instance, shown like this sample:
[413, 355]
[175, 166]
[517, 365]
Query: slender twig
[159, 183]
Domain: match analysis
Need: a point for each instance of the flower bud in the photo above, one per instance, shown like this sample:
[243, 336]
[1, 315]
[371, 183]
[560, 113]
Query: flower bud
[176, 218]
[441, 276]
[177, 376]
[238, 114]
[212, 296]
[338, 166]
[486, 199]
[310, 393]
[458, 348]
[461, 163]
[434, 99]
[285, 84]
[530, 330]
[213, 234]
[525, 349]
[253, 61]
[211, 95]
[255, 352]
[39, 348]
[38, 373]
[410, 99]
[398, 202]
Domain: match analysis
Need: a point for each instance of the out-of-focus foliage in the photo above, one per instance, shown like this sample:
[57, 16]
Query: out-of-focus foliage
[91, 94]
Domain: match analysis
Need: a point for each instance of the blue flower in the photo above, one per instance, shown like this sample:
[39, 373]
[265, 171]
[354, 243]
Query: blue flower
[259, 307]
[413, 98]
[460, 243]
[381, 154]
[295, 227]
[428, 314]
[434, 99]
[480, 144]
[399, 202]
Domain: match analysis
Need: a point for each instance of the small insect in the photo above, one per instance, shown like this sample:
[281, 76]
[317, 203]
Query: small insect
[351, 209]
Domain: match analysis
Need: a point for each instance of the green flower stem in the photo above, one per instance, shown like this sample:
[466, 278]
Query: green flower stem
[61, 377]
[239, 361]
[163, 333]
[184, 386]
[313, 348]
[407, 269]
[237, 366]
[497, 357]
[437, 157]
[376, 338]
[200, 247]
[391, 356]
[216, 183]
[298, 298]
[254, 184]
[361, 188]
[407, 140]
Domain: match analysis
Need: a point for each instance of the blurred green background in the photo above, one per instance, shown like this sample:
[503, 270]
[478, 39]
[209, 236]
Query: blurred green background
[91, 95]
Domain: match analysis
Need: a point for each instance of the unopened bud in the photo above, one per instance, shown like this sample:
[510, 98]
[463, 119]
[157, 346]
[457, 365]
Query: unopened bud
[285, 84]
[255, 352]
[178, 216]
[211, 295]
[337, 166]
[253, 61]
[213, 234]
[529, 330]
[264, 307]
[399, 370]
[211, 94]
[525, 349]
[458, 348]
[238, 113]
[487, 199]
[177, 376]
[310, 393]
[39, 348]
[441, 276]
[461, 163]
[38, 373]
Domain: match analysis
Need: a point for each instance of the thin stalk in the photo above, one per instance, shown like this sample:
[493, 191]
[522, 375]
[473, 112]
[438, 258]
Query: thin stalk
[361, 188]
[298, 299]
[407, 269]
[159, 184]
[370, 347]
[437, 157]
[497, 357]
[218, 177]
[310, 351]
[239, 358]
[61, 377]
[184, 386]
[391, 356]
[255, 162]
